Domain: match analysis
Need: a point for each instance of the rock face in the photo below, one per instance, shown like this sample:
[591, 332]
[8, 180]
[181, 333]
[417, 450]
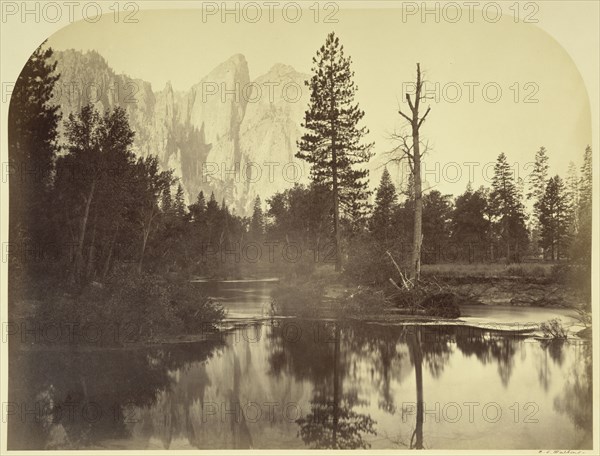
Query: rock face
[270, 130]
[227, 134]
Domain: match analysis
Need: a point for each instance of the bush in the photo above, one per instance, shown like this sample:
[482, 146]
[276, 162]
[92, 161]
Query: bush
[424, 301]
[196, 311]
[553, 329]
[136, 306]
[441, 305]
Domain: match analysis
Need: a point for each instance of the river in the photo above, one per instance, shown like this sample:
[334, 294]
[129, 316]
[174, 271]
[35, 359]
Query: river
[293, 383]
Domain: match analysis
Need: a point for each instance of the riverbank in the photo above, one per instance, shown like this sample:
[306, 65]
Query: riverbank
[186, 314]
[125, 309]
[327, 294]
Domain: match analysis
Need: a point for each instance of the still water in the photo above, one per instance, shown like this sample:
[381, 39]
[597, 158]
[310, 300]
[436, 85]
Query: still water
[243, 299]
[306, 384]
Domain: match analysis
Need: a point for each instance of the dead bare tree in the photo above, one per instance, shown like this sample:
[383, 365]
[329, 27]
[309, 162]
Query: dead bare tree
[410, 148]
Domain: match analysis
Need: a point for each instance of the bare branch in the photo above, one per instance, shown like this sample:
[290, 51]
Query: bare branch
[405, 280]
[404, 156]
[431, 187]
[410, 105]
[405, 116]
[423, 118]
[394, 261]
[395, 284]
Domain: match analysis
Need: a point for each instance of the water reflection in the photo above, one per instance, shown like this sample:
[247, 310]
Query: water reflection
[416, 440]
[575, 399]
[303, 384]
[243, 299]
[332, 421]
[78, 399]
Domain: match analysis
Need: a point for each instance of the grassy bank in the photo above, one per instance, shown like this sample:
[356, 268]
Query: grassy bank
[472, 270]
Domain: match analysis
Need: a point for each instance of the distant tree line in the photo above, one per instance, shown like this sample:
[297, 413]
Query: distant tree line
[479, 225]
[489, 224]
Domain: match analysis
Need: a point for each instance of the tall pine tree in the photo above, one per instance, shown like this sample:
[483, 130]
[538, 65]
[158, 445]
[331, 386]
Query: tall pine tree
[333, 143]
[584, 236]
[179, 203]
[553, 217]
[539, 175]
[572, 195]
[32, 145]
[381, 223]
[257, 223]
[508, 210]
[198, 209]
[537, 181]
[212, 215]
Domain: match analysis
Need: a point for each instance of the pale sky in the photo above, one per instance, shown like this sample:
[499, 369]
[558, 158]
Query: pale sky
[520, 59]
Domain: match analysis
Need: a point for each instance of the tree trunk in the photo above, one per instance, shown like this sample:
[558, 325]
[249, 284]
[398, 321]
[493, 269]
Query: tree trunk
[336, 208]
[109, 256]
[75, 273]
[145, 234]
[418, 217]
[508, 250]
[144, 241]
[558, 226]
[336, 212]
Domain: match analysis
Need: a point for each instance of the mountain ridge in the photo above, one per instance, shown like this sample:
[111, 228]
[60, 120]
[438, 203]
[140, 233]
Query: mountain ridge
[209, 134]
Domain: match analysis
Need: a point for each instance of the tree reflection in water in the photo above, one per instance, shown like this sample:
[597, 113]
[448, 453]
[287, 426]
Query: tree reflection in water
[78, 399]
[489, 347]
[352, 382]
[332, 422]
[337, 418]
[416, 440]
[576, 398]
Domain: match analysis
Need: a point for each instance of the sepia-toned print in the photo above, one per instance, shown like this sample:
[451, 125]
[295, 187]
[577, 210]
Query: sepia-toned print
[299, 225]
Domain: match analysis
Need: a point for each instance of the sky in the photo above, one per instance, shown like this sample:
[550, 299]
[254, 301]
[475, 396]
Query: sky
[495, 86]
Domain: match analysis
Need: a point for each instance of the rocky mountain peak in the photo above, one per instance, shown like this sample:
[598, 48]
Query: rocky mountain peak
[211, 126]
